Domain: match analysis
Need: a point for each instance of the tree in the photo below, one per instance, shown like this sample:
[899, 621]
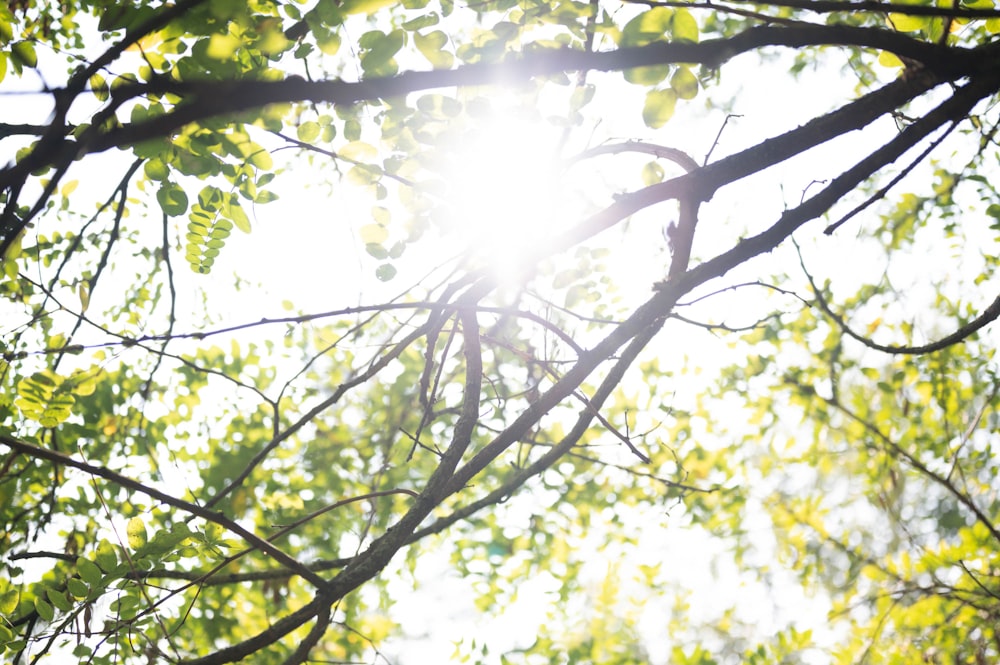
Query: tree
[489, 356]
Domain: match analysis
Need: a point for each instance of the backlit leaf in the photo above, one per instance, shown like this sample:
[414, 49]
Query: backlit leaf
[659, 107]
[136, 532]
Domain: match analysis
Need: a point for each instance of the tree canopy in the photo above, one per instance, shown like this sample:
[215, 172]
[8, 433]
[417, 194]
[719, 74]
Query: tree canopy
[663, 328]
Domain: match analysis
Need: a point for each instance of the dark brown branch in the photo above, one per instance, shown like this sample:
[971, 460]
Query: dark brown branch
[956, 106]
[8, 129]
[301, 653]
[478, 292]
[54, 148]
[852, 6]
[210, 99]
[989, 315]
[880, 194]
[207, 99]
[516, 429]
[36, 452]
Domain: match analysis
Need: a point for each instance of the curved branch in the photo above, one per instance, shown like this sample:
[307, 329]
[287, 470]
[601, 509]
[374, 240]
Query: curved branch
[678, 157]
[990, 314]
[37, 452]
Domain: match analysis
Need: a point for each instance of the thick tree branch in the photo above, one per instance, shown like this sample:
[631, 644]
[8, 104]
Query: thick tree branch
[956, 106]
[213, 98]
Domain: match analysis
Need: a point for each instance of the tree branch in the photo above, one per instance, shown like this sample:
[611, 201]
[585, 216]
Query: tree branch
[252, 539]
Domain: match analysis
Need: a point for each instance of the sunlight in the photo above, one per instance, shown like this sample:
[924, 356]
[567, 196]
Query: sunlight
[504, 194]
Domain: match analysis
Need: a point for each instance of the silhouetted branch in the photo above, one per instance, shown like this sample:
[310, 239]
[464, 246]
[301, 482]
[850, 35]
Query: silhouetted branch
[252, 539]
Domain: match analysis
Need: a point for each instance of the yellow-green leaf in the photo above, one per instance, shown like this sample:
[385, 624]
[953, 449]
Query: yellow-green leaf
[308, 131]
[136, 532]
[659, 107]
[83, 290]
[907, 23]
[652, 173]
[684, 83]
[683, 26]
[24, 53]
[887, 59]
[8, 601]
[262, 160]
[222, 47]
[373, 233]
[646, 75]
[431, 46]
[647, 27]
[365, 6]
[106, 556]
[358, 151]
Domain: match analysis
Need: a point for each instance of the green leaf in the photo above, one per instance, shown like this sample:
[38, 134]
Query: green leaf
[6, 27]
[44, 609]
[327, 41]
[647, 76]
[156, 169]
[683, 26]
[106, 556]
[166, 541]
[684, 83]
[908, 22]
[136, 532]
[887, 59]
[99, 86]
[262, 159]
[234, 211]
[308, 131]
[365, 6]
[423, 21]
[8, 601]
[24, 54]
[89, 571]
[222, 47]
[77, 587]
[431, 46]
[385, 272]
[652, 173]
[649, 26]
[172, 199]
[59, 600]
[659, 107]
[378, 51]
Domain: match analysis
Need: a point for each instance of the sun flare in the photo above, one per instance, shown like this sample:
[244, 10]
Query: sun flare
[504, 193]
